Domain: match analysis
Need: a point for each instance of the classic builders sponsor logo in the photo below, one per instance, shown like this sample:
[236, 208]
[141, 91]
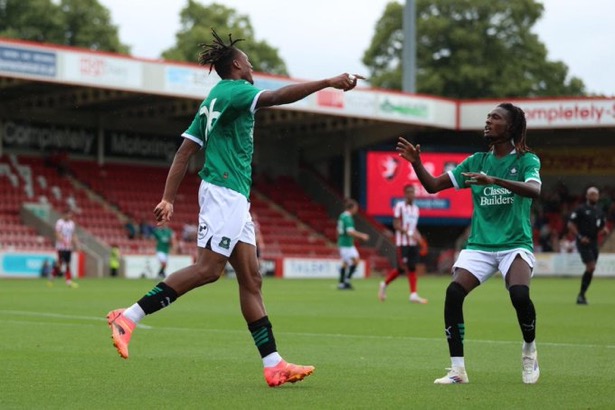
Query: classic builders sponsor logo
[404, 108]
[595, 112]
[496, 196]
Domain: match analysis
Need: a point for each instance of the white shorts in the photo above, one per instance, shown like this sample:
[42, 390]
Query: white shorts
[484, 265]
[162, 257]
[224, 219]
[348, 253]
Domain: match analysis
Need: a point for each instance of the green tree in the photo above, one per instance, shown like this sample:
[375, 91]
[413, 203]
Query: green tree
[88, 24]
[470, 49]
[196, 24]
[81, 23]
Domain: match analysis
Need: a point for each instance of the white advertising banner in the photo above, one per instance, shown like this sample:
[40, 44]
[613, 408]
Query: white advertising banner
[193, 81]
[569, 264]
[97, 69]
[548, 114]
[316, 268]
[147, 266]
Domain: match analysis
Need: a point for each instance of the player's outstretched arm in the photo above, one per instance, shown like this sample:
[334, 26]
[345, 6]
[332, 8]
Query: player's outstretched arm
[296, 92]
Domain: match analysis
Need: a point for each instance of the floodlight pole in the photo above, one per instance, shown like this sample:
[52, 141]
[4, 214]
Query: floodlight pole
[409, 48]
[347, 165]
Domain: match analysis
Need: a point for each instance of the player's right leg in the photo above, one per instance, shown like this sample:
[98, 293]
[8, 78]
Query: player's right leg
[275, 369]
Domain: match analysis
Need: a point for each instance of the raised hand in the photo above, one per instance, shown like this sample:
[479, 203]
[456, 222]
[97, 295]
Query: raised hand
[408, 151]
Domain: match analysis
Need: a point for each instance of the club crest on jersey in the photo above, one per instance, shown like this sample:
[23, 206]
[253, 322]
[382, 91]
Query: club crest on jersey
[513, 171]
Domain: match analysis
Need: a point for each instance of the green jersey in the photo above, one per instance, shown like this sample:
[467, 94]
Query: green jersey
[164, 239]
[501, 219]
[345, 224]
[224, 127]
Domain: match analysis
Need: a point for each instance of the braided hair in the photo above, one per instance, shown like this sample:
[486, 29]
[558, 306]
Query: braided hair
[218, 54]
[518, 127]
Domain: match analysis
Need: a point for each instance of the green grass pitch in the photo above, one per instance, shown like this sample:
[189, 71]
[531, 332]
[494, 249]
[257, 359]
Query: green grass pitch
[56, 352]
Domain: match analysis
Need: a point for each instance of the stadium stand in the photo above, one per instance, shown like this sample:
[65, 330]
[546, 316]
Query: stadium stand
[105, 198]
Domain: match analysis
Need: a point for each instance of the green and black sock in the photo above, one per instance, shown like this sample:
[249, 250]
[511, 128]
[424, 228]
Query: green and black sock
[159, 297]
[453, 318]
[262, 334]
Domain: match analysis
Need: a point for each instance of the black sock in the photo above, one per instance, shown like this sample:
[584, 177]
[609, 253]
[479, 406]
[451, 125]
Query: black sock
[453, 318]
[526, 313]
[159, 297]
[351, 270]
[585, 281]
[262, 334]
[342, 275]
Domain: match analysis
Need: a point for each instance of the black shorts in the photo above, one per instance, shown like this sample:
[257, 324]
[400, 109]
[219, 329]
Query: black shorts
[589, 252]
[64, 256]
[407, 257]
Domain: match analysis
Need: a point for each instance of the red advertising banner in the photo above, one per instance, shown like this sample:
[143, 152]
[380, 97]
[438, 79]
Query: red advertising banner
[388, 173]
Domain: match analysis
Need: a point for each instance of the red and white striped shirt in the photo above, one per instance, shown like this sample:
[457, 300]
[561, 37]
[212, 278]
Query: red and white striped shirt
[65, 229]
[408, 216]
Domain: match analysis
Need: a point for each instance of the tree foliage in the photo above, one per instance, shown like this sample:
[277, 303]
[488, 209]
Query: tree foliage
[80, 23]
[470, 49]
[196, 24]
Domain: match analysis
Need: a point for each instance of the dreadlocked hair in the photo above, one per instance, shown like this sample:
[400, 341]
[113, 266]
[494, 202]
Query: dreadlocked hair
[518, 127]
[218, 54]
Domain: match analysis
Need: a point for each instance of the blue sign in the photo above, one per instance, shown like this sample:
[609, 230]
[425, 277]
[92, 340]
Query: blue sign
[23, 264]
[27, 61]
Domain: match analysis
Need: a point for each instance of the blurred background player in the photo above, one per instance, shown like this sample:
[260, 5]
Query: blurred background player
[164, 237]
[66, 242]
[346, 234]
[114, 260]
[407, 240]
[586, 223]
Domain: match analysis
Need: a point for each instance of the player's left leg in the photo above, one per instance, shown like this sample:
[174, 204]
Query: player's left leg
[518, 284]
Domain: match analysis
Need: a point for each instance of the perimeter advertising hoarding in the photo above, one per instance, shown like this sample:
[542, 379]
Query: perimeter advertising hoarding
[388, 173]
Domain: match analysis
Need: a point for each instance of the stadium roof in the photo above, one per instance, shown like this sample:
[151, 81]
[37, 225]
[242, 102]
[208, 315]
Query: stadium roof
[80, 88]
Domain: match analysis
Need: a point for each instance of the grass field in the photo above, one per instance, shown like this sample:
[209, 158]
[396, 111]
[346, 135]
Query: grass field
[56, 352]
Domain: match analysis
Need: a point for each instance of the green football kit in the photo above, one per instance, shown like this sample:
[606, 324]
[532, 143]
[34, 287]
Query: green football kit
[345, 224]
[501, 219]
[224, 127]
[163, 237]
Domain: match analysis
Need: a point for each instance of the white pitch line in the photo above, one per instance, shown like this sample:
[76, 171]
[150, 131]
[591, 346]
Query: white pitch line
[319, 335]
[60, 316]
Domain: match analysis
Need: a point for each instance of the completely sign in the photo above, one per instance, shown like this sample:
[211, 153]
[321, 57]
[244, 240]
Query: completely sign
[546, 114]
[28, 61]
[387, 174]
[49, 137]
